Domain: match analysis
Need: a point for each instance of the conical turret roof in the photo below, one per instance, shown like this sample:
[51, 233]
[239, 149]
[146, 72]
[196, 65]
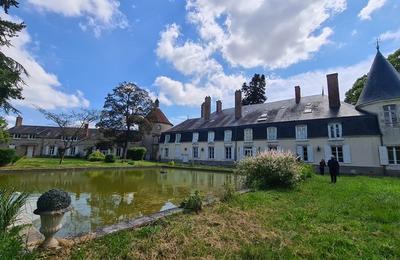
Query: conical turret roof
[383, 82]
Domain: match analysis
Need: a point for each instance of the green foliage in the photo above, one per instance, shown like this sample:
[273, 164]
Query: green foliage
[4, 135]
[15, 159]
[171, 163]
[254, 93]
[10, 205]
[193, 203]
[136, 153]
[270, 169]
[96, 156]
[394, 59]
[228, 192]
[110, 158]
[6, 156]
[12, 245]
[307, 171]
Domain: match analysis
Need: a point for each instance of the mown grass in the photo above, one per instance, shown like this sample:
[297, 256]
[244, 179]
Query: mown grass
[358, 218]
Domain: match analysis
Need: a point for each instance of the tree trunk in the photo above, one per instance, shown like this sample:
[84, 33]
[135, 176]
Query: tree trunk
[62, 154]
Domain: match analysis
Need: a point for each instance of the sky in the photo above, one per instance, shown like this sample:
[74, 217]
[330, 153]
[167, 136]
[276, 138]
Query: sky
[77, 51]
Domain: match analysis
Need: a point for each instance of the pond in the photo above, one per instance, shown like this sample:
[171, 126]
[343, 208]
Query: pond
[103, 197]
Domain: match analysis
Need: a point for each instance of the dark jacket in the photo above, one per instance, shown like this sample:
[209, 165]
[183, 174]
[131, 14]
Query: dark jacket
[322, 164]
[333, 166]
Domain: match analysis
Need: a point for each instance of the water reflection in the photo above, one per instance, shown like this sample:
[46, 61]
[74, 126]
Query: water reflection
[107, 196]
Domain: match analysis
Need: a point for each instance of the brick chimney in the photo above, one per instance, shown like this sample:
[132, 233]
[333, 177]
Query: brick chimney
[219, 106]
[333, 91]
[18, 121]
[297, 94]
[86, 130]
[207, 108]
[238, 104]
[202, 110]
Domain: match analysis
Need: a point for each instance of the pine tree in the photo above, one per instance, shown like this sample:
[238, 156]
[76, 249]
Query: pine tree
[254, 92]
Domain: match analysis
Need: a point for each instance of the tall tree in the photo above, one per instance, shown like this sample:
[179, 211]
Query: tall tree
[123, 117]
[72, 127]
[354, 93]
[4, 135]
[10, 70]
[254, 92]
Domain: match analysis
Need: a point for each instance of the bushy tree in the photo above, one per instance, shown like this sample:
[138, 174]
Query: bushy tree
[4, 135]
[254, 92]
[10, 70]
[123, 118]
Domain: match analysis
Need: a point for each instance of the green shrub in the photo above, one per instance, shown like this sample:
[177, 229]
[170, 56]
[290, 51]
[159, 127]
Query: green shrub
[136, 153]
[15, 159]
[12, 245]
[96, 156]
[270, 169]
[6, 156]
[131, 163]
[228, 192]
[307, 171]
[171, 163]
[110, 158]
[193, 203]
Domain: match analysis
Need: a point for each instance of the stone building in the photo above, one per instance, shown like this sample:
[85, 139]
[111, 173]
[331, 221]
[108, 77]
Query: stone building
[364, 138]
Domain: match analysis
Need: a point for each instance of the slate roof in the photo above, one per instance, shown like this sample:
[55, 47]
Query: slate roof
[309, 108]
[383, 82]
[49, 132]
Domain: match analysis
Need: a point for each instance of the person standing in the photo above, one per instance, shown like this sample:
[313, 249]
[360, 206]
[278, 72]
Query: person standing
[333, 166]
[322, 165]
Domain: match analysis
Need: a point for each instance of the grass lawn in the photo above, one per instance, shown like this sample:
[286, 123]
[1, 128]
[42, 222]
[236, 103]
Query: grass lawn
[358, 218]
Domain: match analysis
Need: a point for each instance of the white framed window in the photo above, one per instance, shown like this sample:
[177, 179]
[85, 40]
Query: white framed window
[228, 136]
[248, 151]
[195, 137]
[211, 152]
[211, 136]
[167, 138]
[52, 150]
[72, 150]
[301, 132]
[16, 136]
[195, 152]
[335, 130]
[178, 138]
[248, 135]
[337, 151]
[31, 136]
[272, 133]
[393, 154]
[166, 152]
[11, 146]
[228, 152]
[390, 114]
[74, 138]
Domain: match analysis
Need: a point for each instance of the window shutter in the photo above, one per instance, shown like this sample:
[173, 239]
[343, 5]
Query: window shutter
[67, 151]
[240, 152]
[56, 150]
[279, 148]
[310, 152]
[383, 155]
[329, 131]
[47, 150]
[299, 151]
[346, 154]
[76, 149]
[328, 152]
[254, 151]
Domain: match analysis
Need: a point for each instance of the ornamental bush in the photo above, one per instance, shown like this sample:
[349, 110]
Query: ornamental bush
[270, 169]
[193, 203]
[6, 156]
[136, 153]
[110, 158]
[96, 156]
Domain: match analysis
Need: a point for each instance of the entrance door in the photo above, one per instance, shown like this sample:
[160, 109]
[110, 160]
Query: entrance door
[29, 151]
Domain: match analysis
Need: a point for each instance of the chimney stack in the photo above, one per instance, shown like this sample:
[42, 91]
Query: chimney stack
[86, 130]
[219, 106]
[18, 121]
[297, 94]
[333, 91]
[238, 104]
[202, 110]
[207, 108]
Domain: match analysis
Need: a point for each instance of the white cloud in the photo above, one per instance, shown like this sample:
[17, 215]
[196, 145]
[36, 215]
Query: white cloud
[100, 14]
[42, 88]
[264, 32]
[372, 6]
[390, 35]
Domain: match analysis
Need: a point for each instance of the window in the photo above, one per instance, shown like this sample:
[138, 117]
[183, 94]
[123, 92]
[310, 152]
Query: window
[335, 130]
[31, 136]
[302, 151]
[248, 135]
[52, 150]
[11, 146]
[271, 133]
[195, 152]
[195, 137]
[394, 154]
[17, 136]
[272, 148]
[337, 151]
[248, 151]
[177, 138]
[211, 152]
[390, 114]
[72, 151]
[228, 136]
[301, 132]
[166, 140]
[211, 136]
[228, 152]
[166, 152]
[69, 138]
[118, 152]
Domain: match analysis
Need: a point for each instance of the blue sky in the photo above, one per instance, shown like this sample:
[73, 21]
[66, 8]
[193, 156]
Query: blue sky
[76, 51]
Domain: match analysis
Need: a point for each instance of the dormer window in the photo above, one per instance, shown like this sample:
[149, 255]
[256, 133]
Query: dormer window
[390, 115]
[31, 136]
[301, 132]
[335, 130]
[248, 135]
[178, 138]
[272, 134]
[228, 136]
[211, 136]
[16, 136]
[167, 137]
[195, 137]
